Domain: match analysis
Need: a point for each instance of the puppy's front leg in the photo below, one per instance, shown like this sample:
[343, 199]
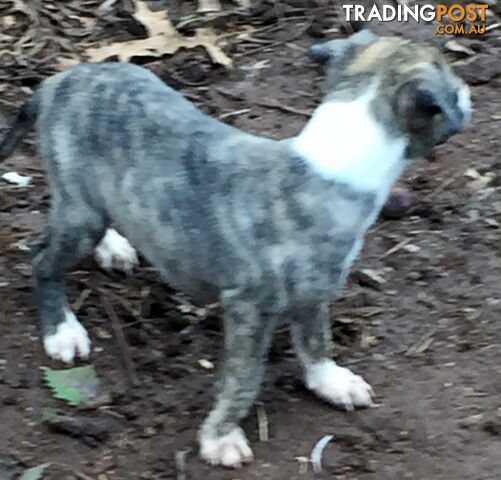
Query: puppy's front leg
[312, 339]
[248, 334]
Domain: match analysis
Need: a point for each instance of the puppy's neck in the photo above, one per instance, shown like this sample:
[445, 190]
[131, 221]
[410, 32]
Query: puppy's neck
[343, 141]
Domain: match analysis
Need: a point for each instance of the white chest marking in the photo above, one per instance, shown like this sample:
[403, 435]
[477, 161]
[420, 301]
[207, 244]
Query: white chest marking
[344, 142]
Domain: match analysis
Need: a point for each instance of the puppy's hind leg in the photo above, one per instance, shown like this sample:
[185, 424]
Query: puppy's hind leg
[115, 252]
[312, 339]
[73, 232]
[248, 334]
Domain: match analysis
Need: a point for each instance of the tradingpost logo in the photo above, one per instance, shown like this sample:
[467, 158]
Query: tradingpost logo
[455, 19]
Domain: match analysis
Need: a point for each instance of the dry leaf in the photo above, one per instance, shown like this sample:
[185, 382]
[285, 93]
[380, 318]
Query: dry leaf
[457, 47]
[163, 39]
[244, 3]
[472, 173]
[156, 23]
[66, 62]
[8, 21]
[411, 248]
[205, 6]
[492, 222]
[479, 181]
[87, 22]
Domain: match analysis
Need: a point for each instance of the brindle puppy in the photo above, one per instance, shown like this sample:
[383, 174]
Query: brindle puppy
[271, 226]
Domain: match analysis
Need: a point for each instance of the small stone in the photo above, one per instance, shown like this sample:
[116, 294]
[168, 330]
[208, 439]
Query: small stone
[206, 364]
[471, 421]
[398, 204]
[16, 178]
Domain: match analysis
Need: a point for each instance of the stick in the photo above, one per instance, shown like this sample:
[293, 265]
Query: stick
[395, 248]
[180, 461]
[316, 453]
[262, 420]
[234, 113]
[285, 108]
[130, 369]
[492, 27]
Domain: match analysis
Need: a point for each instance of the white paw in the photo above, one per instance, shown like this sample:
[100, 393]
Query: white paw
[114, 251]
[338, 385]
[70, 340]
[232, 450]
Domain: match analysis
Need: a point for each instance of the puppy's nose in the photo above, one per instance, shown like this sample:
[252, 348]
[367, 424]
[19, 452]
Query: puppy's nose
[457, 121]
[454, 128]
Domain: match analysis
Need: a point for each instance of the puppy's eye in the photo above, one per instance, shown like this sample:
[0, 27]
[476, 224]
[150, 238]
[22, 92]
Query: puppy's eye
[432, 110]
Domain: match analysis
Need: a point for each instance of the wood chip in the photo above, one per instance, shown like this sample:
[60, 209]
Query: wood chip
[303, 464]
[369, 278]
[411, 248]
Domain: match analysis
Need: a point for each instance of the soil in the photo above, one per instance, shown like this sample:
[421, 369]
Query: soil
[427, 339]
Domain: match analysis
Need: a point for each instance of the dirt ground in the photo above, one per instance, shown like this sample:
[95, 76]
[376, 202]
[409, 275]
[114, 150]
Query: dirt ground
[428, 339]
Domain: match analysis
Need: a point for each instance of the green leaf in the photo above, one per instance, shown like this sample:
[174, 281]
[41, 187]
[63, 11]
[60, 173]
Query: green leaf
[35, 473]
[74, 385]
[48, 413]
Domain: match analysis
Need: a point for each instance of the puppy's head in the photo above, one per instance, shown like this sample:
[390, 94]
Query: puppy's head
[415, 92]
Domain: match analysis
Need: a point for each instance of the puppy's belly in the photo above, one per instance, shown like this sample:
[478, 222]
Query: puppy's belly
[181, 272]
[201, 293]
[181, 263]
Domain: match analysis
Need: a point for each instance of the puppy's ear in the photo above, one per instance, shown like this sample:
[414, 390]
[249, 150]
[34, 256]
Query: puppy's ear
[337, 49]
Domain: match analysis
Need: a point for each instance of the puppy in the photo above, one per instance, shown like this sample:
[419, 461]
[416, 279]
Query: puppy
[270, 227]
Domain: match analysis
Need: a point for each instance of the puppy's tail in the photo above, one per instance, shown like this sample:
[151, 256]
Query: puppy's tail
[25, 120]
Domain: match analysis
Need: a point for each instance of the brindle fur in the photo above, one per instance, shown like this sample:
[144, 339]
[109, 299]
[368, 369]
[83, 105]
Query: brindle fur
[216, 209]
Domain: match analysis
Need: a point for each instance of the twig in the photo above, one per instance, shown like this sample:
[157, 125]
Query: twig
[280, 42]
[69, 469]
[227, 93]
[316, 453]
[444, 184]
[202, 18]
[130, 368]
[130, 310]
[262, 420]
[77, 305]
[285, 108]
[422, 344]
[180, 461]
[494, 26]
[234, 113]
[105, 6]
[81, 475]
[395, 248]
